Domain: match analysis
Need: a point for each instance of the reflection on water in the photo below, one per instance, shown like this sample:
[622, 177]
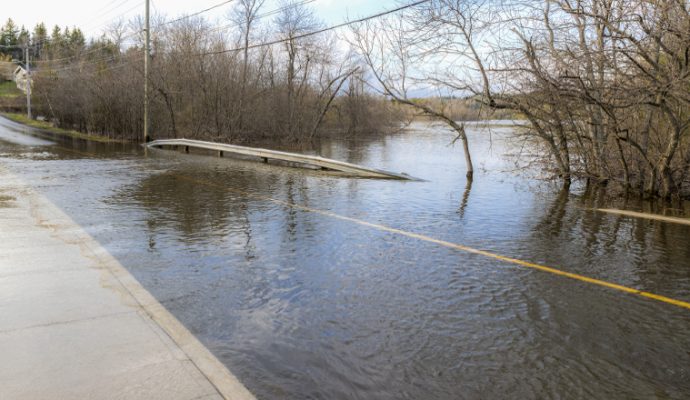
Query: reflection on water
[465, 198]
[301, 305]
[6, 201]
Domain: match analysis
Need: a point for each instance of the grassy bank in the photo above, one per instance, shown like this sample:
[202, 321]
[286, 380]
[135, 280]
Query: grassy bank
[9, 89]
[11, 98]
[47, 126]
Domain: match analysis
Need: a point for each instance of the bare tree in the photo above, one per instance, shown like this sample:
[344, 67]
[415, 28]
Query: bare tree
[207, 83]
[390, 48]
[245, 14]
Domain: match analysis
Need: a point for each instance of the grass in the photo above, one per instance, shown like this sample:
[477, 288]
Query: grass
[47, 126]
[9, 89]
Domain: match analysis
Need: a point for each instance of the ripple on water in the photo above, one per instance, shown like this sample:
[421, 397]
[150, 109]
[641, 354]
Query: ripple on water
[300, 305]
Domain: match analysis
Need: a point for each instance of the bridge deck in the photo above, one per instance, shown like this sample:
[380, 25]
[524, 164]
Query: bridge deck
[265, 154]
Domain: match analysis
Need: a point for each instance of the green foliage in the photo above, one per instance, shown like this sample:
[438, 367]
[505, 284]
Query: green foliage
[8, 89]
[24, 37]
[9, 35]
[39, 38]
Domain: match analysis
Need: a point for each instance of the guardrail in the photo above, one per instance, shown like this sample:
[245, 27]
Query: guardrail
[265, 155]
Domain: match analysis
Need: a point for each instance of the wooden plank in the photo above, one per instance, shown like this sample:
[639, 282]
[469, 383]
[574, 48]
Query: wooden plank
[265, 155]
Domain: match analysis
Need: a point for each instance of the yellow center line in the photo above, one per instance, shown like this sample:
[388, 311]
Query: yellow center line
[634, 214]
[81, 153]
[451, 245]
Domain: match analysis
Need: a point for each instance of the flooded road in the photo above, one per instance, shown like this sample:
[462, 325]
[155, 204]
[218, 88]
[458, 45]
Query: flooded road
[267, 266]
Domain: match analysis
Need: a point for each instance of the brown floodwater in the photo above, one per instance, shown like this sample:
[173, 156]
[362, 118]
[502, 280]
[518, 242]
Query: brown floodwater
[301, 304]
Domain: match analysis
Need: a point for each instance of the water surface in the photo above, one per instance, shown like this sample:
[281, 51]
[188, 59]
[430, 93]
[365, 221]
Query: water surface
[300, 305]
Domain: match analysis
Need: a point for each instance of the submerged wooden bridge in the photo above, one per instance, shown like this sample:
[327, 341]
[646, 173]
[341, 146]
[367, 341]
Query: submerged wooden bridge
[265, 155]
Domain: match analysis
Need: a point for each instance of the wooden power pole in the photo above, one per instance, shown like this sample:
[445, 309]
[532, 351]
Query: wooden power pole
[28, 83]
[147, 67]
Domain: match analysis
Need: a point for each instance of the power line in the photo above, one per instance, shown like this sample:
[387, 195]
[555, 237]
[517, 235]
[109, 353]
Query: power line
[265, 44]
[122, 4]
[107, 5]
[82, 65]
[317, 32]
[197, 13]
[105, 46]
[210, 30]
[89, 51]
[263, 15]
[122, 14]
[89, 26]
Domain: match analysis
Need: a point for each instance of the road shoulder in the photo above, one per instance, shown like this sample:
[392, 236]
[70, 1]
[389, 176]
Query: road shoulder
[76, 324]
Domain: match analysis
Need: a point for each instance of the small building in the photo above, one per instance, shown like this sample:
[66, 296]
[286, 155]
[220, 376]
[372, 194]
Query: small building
[21, 77]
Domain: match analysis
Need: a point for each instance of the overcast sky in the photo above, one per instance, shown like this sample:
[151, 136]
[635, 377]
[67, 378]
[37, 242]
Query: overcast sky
[93, 15]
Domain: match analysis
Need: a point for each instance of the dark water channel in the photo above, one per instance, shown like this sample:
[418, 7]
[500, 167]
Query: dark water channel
[300, 305]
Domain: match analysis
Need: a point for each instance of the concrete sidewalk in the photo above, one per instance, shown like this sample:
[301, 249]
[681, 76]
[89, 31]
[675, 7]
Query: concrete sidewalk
[74, 324]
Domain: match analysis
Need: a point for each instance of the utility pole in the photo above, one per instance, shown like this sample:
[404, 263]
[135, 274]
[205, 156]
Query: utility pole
[147, 66]
[28, 83]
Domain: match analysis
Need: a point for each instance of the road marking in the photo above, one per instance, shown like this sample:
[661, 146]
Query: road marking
[81, 153]
[467, 249]
[634, 214]
[510, 260]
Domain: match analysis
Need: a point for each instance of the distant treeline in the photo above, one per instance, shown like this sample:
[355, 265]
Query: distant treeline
[464, 109]
[205, 83]
[44, 45]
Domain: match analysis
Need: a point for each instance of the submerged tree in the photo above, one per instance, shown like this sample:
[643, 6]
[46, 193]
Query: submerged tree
[604, 84]
[392, 49]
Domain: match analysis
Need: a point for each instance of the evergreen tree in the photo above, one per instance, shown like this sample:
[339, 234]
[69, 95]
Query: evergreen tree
[24, 37]
[76, 40]
[9, 34]
[54, 46]
[56, 35]
[39, 39]
[9, 38]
